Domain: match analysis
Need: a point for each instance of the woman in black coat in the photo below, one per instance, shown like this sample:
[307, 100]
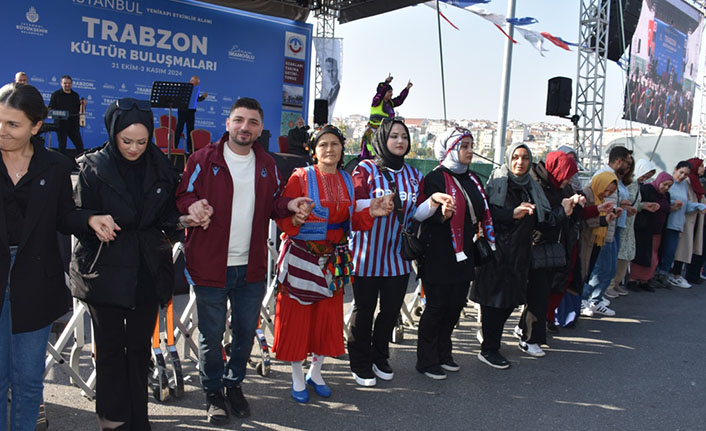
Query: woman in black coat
[447, 266]
[36, 203]
[553, 176]
[126, 280]
[518, 205]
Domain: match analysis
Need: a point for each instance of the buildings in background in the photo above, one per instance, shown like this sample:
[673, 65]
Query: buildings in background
[540, 137]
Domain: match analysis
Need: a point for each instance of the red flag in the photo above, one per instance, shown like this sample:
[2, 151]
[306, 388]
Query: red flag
[555, 40]
[508, 36]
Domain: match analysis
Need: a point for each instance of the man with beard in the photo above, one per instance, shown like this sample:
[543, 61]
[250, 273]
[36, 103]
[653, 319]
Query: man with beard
[237, 187]
[619, 162]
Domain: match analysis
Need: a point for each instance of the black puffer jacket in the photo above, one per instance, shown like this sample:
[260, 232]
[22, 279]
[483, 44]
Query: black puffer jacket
[141, 245]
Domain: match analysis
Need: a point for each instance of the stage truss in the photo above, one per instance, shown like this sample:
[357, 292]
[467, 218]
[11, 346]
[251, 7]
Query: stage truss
[590, 81]
[326, 16]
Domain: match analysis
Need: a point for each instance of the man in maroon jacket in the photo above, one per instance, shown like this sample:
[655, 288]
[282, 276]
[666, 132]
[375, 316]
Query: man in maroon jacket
[235, 188]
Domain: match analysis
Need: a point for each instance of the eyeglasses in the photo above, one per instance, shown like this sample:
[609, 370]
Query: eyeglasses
[128, 103]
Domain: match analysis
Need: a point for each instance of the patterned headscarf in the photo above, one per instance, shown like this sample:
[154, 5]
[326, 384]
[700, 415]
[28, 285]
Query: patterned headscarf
[446, 148]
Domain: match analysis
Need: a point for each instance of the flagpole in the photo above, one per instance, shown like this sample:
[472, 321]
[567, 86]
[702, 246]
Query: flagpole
[505, 90]
[441, 58]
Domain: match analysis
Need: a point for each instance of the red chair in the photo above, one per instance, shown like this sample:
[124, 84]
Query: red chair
[283, 143]
[164, 121]
[200, 138]
[161, 138]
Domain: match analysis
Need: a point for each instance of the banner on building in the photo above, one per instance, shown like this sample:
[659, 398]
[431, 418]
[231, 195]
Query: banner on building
[330, 57]
[664, 60]
[117, 48]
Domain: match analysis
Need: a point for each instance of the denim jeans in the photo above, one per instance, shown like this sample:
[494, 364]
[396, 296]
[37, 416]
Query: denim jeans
[670, 241]
[603, 271]
[21, 368]
[212, 305]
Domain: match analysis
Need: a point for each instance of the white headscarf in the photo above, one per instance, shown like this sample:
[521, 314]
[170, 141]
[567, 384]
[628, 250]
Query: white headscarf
[446, 148]
[644, 166]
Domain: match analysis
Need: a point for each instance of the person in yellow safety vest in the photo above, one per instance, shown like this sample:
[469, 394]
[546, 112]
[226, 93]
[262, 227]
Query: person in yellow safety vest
[383, 106]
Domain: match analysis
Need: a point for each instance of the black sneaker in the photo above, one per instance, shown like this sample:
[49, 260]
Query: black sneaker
[494, 359]
[634, 286]
[551, 327]
[434, 372]
[646, 287]
[450, 365]
[238, 404]
[216, 408]
[383, 370]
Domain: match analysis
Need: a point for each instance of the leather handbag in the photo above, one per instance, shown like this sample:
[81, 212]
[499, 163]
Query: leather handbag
[549, 254]
[482, 253]
[411, 247]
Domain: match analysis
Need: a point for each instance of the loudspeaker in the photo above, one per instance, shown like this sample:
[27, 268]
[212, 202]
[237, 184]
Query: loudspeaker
[320, 111]
[559, 96]
[631, 15]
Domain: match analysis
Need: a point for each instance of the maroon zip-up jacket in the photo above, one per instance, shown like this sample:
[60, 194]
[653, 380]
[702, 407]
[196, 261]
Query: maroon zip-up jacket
[206, 176]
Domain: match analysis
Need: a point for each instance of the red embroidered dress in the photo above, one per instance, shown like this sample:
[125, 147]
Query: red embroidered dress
[317, 327]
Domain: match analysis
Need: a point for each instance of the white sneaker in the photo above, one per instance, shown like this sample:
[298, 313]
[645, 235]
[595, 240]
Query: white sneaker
[601, 309]
[364, 381]
[673, 280]
[586, 309]
[531, 349]
[517, 332]
[681, 282]
[605, 302]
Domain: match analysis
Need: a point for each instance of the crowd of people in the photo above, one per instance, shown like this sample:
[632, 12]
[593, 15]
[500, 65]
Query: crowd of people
[532, 236]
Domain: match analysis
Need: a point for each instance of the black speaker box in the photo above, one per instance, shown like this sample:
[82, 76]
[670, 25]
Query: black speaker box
[630, 16]
[559, 96]
[320, 111]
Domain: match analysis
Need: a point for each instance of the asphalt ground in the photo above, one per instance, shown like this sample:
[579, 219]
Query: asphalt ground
[643, 369]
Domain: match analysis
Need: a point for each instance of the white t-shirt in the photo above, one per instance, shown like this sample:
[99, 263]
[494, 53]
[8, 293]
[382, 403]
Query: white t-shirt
[242, 170]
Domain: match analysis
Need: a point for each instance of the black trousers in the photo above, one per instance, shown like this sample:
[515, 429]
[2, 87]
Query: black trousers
[187, 117]
[366, 344]
[123, 349]
[72, 131]
[444, 303]
[492, 321]
[534, 317]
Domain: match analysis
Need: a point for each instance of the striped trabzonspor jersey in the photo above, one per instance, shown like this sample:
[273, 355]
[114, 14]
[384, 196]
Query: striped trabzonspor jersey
[376, 253]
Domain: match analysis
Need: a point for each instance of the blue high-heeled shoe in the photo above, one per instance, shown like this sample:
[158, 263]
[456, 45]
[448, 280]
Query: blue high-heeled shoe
[322, 390]
[300, 396]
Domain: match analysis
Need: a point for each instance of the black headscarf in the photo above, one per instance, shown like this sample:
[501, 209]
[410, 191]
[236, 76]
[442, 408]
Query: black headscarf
[383, 156]
[118, 118]
[318, 133]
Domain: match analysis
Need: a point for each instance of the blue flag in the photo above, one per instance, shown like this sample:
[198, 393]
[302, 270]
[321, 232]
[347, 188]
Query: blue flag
[522, 21]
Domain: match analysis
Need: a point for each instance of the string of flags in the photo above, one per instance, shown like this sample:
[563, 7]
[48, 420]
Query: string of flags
[535, 38]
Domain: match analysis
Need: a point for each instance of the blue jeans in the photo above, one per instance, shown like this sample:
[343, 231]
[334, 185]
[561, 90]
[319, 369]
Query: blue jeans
[212, 305]
[670, 241]
[21, 368]
[603, 271]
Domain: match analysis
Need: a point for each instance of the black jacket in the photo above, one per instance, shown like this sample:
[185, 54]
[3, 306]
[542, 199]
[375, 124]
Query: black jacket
[502, 283]
[37, 283]
[648, 224]
[141, 242]
[438, 265]
[566, 231]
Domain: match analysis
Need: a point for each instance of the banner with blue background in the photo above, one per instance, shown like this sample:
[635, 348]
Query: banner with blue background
[117, 48]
